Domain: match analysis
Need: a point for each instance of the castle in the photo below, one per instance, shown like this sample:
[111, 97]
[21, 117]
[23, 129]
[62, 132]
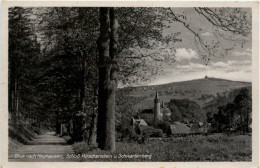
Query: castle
[160, 111]
[160, 114]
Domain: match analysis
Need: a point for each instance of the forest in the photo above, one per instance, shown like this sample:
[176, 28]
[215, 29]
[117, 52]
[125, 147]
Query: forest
[66, 63]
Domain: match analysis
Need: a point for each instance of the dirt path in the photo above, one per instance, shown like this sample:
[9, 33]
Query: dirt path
[45, 147]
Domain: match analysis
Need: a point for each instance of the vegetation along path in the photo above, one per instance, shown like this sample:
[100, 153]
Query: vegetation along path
[45, 147]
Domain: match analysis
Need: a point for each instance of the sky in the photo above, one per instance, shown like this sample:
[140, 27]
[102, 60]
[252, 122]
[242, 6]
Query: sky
[235, 65]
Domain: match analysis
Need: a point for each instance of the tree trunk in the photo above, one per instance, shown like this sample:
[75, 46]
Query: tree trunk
[241, 122]
[247, 121]
[17, 104]
[61, 130]
[83, 88]
[92, 132]
[107, 45]
[93, 127]
[12, 111]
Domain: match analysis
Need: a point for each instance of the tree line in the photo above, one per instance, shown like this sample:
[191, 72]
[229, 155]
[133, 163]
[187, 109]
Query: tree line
[236, 115]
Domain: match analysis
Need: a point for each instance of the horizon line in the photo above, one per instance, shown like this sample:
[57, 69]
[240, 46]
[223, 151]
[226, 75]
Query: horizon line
[184, 81]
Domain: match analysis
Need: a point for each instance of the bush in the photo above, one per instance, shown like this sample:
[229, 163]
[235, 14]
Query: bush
[83, 147]
[151, 132]
[129, 134]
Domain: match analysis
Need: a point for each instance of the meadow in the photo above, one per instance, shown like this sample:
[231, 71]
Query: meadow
[215, 147]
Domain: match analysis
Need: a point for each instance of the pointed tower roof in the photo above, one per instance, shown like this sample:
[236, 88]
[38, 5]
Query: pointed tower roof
[156, 95]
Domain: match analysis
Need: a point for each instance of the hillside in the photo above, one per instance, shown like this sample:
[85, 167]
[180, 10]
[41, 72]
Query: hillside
[201, 91]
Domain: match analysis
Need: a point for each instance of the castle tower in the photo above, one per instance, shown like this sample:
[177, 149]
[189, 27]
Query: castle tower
[156, 112]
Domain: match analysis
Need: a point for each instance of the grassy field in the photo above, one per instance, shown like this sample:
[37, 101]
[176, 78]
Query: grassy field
[217, 147]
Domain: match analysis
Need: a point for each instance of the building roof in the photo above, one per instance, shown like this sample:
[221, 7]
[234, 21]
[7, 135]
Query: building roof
[195, 128]
[140, 122]
[179, 128]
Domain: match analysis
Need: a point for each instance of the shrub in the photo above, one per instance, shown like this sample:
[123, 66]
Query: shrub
[151, 132]
[129, 134]
[83, 147]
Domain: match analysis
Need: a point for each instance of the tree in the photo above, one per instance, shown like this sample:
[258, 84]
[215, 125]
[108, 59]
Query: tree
[107, 45]
[230, 108]
[222, 119]
[108, 75]
[243, 108]
[236, 115]
[125, 109]
[142, 45]
[176, 115]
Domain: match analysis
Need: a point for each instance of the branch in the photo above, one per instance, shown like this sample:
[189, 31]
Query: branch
[201, 42]
[224, 23]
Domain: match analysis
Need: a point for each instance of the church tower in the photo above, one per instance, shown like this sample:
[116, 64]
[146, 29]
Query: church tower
[156, 112]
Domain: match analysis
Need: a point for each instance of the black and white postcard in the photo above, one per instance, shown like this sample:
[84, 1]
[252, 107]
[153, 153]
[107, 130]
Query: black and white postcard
[120, 84]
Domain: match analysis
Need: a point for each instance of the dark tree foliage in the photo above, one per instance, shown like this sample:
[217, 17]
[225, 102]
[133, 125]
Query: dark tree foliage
[24, 51]
[72, 76]
[141, 42]
[186, 110]
[235, 116]
[221, 99]
[125, 108]
[243, 109]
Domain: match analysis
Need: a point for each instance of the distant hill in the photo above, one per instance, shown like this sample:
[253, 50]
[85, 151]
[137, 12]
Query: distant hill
[202, 91]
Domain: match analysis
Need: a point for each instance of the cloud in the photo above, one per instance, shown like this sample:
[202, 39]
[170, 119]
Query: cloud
[206, 34]
[238, 63]
[186, 54]
[231, 63]
[247, 52]
[220, 65]
[191, 66]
